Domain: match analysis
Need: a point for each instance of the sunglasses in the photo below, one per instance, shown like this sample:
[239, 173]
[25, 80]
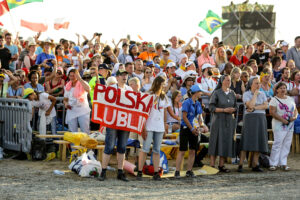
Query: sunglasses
[148, 72]
[59, 73]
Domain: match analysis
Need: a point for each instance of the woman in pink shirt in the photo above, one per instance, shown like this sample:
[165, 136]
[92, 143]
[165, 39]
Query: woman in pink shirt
[204, 57]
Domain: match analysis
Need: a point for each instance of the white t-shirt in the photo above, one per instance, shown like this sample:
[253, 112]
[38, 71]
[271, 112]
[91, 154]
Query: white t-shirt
[126, 87]
[284, 109]
[155, 120]
[174, 54]
[207, 85]
[140, 76]
[44, 104]
[177, 112]
[78, 108]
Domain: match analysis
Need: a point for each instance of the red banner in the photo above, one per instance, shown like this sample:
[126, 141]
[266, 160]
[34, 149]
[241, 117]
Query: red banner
[120, 109]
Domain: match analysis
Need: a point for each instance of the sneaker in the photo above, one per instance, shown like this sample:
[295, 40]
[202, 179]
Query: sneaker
[257, 169]
[157, 177]
[177, 174]
[190, 174]
[102, 176]
[223, 169]
[121, 176]
[139, 176]
[240, 168]
[272, 168]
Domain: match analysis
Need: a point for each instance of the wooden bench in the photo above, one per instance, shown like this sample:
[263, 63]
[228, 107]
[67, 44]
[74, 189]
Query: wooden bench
[296, 143]
[50, 136]
[62, 148]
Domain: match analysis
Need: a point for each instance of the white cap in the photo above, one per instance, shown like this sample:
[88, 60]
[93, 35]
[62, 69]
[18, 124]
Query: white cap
[48, 40]
[206, 65]
[182, 56]
[284, 43]
[69, 69]
[85, 47]
[171, 64]
[254, 40]
[188, 63]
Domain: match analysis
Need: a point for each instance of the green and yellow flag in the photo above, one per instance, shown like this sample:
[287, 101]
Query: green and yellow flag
[15, 3]
[212, 22]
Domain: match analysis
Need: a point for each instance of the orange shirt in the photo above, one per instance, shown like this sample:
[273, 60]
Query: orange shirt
[147, 56]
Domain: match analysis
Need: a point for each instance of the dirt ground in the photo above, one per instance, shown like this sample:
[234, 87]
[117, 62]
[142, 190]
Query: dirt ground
[35, 180]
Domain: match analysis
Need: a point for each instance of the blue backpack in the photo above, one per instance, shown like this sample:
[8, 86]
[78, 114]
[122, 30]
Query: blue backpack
[163, 163]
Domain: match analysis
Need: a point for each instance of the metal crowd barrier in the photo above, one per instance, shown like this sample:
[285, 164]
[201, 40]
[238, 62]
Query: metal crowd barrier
[15, 117]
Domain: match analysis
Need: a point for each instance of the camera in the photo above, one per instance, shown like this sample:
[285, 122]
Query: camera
[98, 34]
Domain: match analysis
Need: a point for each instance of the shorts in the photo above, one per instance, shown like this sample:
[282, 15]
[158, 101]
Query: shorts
[187, 138]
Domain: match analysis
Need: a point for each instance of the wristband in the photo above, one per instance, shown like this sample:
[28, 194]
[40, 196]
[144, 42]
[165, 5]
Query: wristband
[192, 129]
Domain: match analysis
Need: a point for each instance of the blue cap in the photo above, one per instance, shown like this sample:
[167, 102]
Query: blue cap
[150, 63]
[157, 66]
[195, 88]
[77, 48]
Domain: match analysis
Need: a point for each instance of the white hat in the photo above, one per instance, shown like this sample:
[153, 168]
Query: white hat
[86, 58]
[186, 76]
[162, 74]
[48, 40]
[254, 40]
[188, 63]
[69, 69]
[85, 47]
[182, 56]
[284, 43]
[206, 65]
[31, 43]
[171, 64]
[29, 39]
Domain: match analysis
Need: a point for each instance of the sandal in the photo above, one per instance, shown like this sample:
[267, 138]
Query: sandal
[272, 168]
[223, 169]
[285, 168]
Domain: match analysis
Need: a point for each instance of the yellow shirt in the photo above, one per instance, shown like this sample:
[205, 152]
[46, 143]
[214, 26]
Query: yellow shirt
[162, 63]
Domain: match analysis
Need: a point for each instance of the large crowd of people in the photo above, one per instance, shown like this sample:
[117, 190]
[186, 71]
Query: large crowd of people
[205, 82]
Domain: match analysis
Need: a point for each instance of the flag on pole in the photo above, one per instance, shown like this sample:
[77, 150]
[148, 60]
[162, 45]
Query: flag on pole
[61, 23]
[212, 22]
[3, 7]
[36, 27]
[199, 35]
[15, 3]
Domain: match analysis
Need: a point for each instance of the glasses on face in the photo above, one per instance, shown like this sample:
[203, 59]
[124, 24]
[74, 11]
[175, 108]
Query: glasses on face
[148, 72]
[59, 73]
[279, 52]
[246, 76]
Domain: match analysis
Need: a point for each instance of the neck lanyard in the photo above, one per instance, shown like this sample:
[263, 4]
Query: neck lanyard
[207, 84]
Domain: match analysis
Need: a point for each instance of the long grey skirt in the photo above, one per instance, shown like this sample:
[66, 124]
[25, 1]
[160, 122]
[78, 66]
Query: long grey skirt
[255, 133]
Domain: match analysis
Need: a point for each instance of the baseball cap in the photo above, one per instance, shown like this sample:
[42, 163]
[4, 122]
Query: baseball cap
[188, 63]
[284, 43]
[27, 92]
[150, 63]
[120, 72]
[171, 64]
[195, 88]
[103, 66]
[206, 65]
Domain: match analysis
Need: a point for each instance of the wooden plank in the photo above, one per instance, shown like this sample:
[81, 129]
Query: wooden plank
[50, 136]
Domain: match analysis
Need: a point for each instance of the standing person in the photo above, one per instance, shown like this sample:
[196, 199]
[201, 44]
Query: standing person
[138, 69]
[249, 51]
[30, 58]
[122, 57]
[5, 55]
[13, 50]
[78, 110]
[237, 85]
[191, 108]
[100, 78]
[266, 85]
[260, 55]
[294, 52]
[174, 111]
[155, 127]
[222, 104]
[252, 63]
[204, 57]
[46, 58]
[34, 78]
[221, 59]
[187, 82]
[238, 58]
[254, 133]
[206, 83]
[113, 134]
[149, 54]
[284, 113]
[16, 90]
[55, 86]
[175, 49]
[133, 53]
[147, 80]
[277, 72]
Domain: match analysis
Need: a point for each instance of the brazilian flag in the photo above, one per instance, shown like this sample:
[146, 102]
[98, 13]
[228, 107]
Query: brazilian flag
[15, 3]
[212, 22]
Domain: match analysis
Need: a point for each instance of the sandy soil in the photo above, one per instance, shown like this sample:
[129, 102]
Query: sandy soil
[35, 180]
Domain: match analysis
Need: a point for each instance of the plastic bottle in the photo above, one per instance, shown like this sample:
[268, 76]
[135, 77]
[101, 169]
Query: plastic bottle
[58, 172]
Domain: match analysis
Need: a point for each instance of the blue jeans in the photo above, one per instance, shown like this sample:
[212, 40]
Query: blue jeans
[110, 141]
[53, 126]
[156, 137]
[83, 121]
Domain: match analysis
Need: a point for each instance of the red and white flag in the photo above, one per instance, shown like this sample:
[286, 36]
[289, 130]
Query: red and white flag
[37, 27]
[3, 7]
[61, 23]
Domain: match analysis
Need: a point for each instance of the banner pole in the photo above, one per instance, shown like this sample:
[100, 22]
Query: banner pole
[13, 23]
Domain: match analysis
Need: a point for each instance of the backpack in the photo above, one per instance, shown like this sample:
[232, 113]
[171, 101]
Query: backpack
[264, 160]
[38, 149]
